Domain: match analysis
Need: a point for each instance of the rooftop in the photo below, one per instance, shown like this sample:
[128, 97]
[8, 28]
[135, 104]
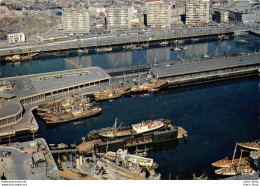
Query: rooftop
[10, 107]
[203, 65]
[45, 82]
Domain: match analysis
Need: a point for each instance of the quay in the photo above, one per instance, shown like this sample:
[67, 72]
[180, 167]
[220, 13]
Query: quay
[101, 145]
[31, 160]
[122, 40]
[19, 96]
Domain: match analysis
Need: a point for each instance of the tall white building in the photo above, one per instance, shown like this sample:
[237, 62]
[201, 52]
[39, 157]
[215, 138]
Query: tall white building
[16, 37]
[76, 21]
[157, 14]
[118, 17]
[197, 11]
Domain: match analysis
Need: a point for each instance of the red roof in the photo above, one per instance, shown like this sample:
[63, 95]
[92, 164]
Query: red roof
[102, 14]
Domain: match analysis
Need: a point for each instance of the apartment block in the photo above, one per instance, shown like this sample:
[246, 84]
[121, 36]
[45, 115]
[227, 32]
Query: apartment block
[16, 37]
[197, 11]
[76, 21]
[158, 14]
[118, 18]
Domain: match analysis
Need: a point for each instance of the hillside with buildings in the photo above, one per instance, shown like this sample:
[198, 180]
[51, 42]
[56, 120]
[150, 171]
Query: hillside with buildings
[28, 25]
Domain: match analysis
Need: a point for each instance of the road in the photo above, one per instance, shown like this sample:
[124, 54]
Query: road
[18, 161]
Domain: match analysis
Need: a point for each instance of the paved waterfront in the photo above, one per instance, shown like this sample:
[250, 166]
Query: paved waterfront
[118, 38]
[16, 163]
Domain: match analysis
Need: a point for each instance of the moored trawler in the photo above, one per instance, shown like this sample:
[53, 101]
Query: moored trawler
[156, 86]
[69, 116]
[134, 129]
[235, 170]
[140, 88]
[19, 57]
[228, 163]
[111, 93]
[255, 145]
[67, 110]
[147, 126]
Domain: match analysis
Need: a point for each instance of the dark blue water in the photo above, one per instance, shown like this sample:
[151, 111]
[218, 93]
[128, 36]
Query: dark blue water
[216, 116]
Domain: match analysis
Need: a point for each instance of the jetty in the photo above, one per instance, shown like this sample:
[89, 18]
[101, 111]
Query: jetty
[99, 144]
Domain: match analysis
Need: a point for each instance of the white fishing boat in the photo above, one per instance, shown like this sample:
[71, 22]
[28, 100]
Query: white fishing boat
[163, 43]
[147, 126]
[130, 130]
[62, 146]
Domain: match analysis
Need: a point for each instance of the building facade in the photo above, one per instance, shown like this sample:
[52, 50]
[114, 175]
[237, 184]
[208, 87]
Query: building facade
[76, 21]
[16, 37]
[197, 11]
[118, 18]
[158, 14]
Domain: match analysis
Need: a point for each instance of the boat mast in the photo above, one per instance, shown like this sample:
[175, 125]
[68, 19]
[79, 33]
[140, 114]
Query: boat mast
[239, 160]
[234, 154]
[115, 124]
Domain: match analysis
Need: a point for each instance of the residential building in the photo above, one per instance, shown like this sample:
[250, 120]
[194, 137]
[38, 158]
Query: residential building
[76, 21]
[118, 18]
[157, 14]
[197, 11]
[239, 12]
[16, 37]
[178, 11]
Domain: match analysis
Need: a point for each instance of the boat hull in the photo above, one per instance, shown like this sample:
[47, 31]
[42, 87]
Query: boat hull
[250, 147]
[227, 163]
[71, 118]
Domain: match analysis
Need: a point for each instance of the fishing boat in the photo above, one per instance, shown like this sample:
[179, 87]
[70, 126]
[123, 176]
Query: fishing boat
[116, 132]
[62, 146]
[84, 51]
[65, 103]
[147, 126]
[163, 43]
[233, 170]
[107, 49]
[19, 57]
[140, 88]
[255, 145]
[153, 87]
[70, 116]
[134, 129]
[228, 163]
[108, 94]
[227, 171]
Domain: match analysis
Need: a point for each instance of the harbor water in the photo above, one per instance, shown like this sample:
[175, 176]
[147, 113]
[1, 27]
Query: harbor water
[216, 115]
